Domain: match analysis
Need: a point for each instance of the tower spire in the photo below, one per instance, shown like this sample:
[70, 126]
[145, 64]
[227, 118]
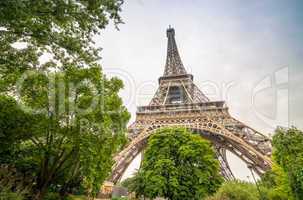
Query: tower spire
[174, 65]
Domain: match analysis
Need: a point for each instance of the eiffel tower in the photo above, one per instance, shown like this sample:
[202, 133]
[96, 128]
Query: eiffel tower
[179, 102]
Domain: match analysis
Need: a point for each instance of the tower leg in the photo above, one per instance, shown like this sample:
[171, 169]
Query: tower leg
[225, 169]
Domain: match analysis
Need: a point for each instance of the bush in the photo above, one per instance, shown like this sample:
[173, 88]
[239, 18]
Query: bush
[13, 184]
[52, 196]
[236, 190]
[8, 195]
[277, 183]
[120, 198]
[76, 197]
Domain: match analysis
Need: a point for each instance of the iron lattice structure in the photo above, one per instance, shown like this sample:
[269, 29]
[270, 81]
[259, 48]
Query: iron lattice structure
[179, 102]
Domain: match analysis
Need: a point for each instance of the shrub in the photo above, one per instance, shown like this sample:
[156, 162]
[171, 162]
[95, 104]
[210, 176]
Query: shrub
[76, 197]
[52, 196]
[236, 190]
[8, 195]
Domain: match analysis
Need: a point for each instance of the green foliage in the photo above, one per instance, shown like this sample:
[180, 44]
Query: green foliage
[177, 165]
[277, 183]
[120, 198]
[75, 138]
[236, 190]
[64, 119]
[13, 184]
[129, 183]
[284, 181]
[51, 196]
[15, 126]
[63, 29]
[288, 154]
[9, 195]
[76, 197]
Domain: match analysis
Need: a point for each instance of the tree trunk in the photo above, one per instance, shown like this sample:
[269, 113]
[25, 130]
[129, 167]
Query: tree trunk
[41, 192]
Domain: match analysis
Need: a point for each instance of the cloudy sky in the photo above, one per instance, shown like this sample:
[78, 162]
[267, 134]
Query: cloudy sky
[248, 53]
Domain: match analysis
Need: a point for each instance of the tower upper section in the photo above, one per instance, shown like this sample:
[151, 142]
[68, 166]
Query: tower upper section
[174, 65]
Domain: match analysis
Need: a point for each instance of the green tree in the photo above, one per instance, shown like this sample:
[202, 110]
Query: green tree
[284, 180]
[61, 29]
[177, 165]
[69, 119]
[75, 135]
[277, 184]
[16, 126]
[288, 154]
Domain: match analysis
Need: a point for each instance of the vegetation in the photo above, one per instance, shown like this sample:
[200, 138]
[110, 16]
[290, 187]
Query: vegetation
[285, 180]
[288, 154]
[177, 165]
[76, 197]
[236, 190]
[277, 184]
[119, 198]
[62, 29]
[61, 119]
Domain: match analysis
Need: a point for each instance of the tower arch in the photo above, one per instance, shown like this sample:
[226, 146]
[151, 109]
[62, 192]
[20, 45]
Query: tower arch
[221, 138]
